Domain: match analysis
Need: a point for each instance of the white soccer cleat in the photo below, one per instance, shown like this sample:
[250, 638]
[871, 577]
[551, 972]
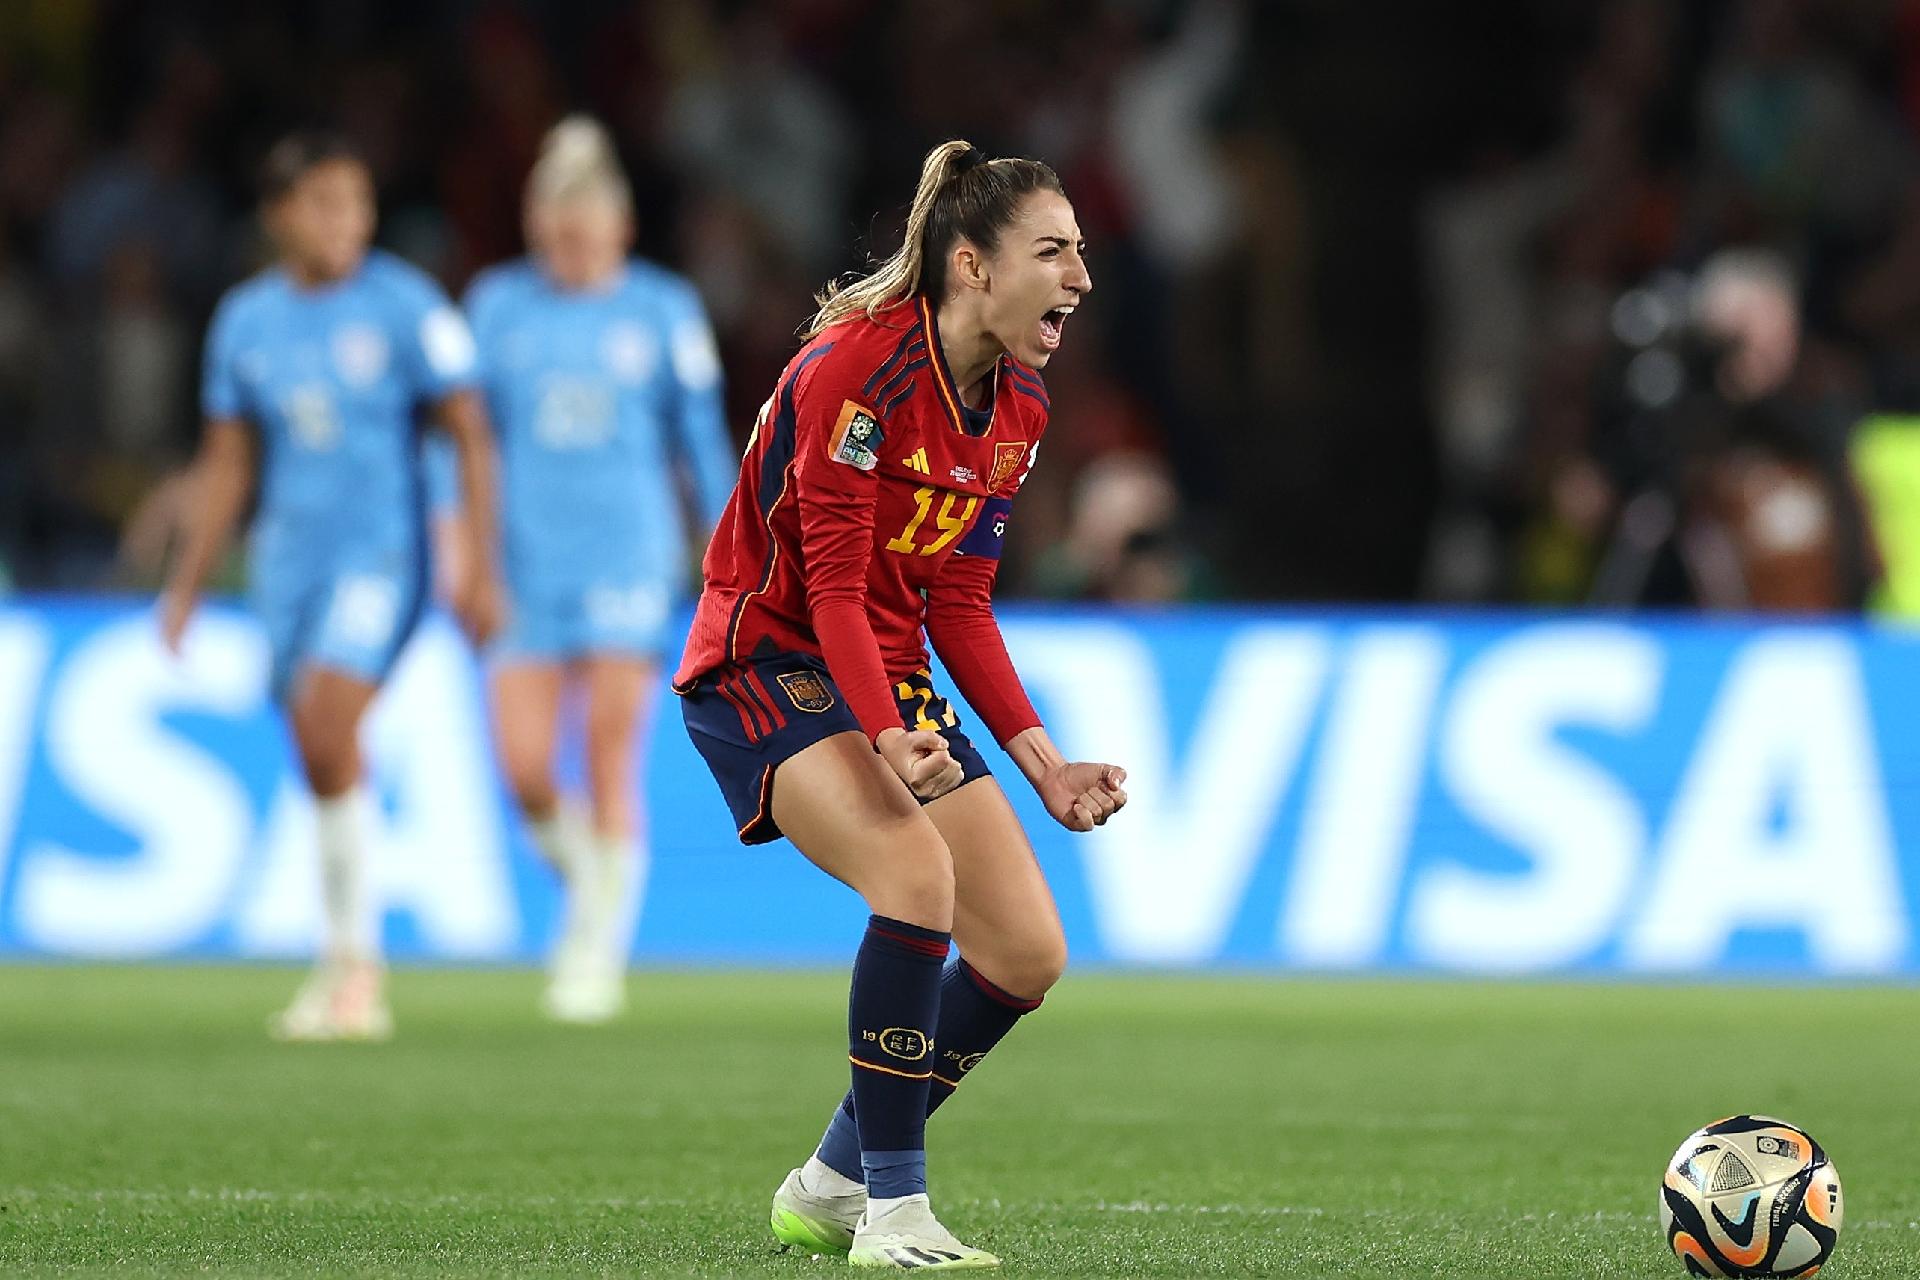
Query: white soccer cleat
[817, 1224]
[584, 995]
[907, 1237]
[589, 972]
[340, 1000]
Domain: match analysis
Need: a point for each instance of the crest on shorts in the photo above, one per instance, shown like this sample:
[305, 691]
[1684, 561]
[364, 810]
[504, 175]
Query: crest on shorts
[806, 690]
[1007, 458]
[856, 437]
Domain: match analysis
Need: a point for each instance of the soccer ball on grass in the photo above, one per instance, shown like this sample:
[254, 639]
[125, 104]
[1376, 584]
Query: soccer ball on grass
[1751, 1196]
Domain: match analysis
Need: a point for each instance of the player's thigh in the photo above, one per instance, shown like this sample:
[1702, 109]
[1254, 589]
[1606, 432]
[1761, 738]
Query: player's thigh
[526, 716]
[853, 817]
[619, 689]
[326, 709]
[290, 600]
[1004, 918]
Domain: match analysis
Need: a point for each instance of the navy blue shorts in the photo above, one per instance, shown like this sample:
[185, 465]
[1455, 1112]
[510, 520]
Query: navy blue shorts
[746, 719]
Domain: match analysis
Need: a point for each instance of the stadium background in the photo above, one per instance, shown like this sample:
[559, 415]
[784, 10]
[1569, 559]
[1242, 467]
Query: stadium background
[1361, 276]
[1358, 338]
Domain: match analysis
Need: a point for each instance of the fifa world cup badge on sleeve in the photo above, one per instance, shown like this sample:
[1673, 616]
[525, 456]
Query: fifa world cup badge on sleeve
[856, 438]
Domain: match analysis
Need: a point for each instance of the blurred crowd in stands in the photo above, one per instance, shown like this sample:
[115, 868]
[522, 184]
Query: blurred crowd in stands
[1675, 351]
[1595, 301]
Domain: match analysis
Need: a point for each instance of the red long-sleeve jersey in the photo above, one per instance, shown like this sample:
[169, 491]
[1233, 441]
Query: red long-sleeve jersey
[871, 507]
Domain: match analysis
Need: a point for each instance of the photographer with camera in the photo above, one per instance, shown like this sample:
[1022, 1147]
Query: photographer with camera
[1722, 432]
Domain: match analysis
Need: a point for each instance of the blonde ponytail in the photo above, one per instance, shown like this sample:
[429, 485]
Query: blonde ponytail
[898, 277]
[578, 159]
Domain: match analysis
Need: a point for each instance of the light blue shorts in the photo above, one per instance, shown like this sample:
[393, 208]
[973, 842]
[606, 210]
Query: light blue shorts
[354, 617]
[557, 624]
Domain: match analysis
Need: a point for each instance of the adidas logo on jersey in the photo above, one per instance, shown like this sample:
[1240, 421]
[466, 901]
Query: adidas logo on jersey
[917, 461]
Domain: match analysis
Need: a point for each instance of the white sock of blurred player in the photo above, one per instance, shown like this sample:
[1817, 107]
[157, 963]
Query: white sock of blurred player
[340, 823]
[564, 838]
[605, 879]
[343, 999]
[612, 897]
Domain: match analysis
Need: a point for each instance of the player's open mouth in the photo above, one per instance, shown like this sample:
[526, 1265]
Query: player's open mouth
[1051, 325]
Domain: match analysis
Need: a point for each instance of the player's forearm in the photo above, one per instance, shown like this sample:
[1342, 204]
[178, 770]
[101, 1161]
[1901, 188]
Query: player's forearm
[966, 635]
[853, 658]
[465, 423]
[836, 546]
[478, 517]
[1033, 751]
[713, 464]
[222, 482]
[976, 658]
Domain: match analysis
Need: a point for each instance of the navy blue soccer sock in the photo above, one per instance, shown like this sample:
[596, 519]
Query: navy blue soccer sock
[891, 1013]
[840, 1144]
[974, 1016]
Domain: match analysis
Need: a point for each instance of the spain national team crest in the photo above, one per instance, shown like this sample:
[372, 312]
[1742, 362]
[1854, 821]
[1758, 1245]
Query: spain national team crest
[1007, 457]
[806, 690]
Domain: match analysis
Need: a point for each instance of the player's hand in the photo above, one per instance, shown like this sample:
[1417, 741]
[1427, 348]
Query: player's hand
[176, 611]
[1082, 796]
[480, 603]
[921, 759]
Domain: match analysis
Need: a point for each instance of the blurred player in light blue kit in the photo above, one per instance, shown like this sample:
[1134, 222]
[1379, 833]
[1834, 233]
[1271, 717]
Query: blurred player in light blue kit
[320, 372]
[602, 376]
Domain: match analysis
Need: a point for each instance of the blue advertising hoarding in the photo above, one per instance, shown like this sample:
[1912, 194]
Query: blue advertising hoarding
[1452, 793]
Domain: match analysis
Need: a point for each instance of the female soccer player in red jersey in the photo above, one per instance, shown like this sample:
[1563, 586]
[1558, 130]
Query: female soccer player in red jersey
[872, 503]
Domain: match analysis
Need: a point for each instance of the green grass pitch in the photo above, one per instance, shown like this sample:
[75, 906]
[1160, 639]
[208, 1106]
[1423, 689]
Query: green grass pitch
[1134, 1127]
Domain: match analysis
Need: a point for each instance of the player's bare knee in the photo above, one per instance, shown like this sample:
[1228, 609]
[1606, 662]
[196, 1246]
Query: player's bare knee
[1028, 966]
[532, 787]
[330, 767]
[1043, 964]
[328, 759]
[609, 734]
[915, 884]
[613, 810]
[609, 770]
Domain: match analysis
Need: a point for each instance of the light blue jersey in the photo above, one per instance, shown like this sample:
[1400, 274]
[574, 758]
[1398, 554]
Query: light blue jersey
[604, 401]
[333, 379]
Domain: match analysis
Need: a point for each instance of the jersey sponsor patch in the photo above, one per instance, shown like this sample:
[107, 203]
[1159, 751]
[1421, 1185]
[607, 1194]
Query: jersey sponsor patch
[1007, 457]
[989, 532]
[806, 691]
[856, 437]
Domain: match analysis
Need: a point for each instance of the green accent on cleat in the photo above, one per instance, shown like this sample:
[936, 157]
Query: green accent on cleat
[797, 1231]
